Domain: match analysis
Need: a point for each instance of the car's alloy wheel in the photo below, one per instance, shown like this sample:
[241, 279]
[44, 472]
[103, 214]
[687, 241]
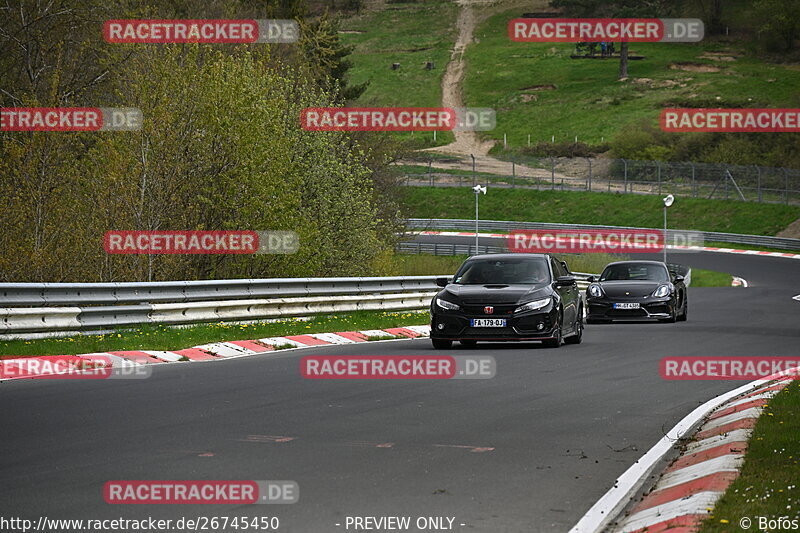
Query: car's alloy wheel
[672, 317]
[682, 317]
[556, 342]
[578, 337]
[441, 344]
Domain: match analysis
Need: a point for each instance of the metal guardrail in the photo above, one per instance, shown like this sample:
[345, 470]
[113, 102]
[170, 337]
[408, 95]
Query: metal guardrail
[39, 308]
[73, 307]
[506, 226]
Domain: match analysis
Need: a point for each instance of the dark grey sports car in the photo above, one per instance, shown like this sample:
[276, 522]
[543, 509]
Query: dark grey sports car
[508, 297]
[636, 290]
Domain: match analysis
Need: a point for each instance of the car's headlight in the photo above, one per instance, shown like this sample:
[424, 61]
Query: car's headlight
[532, 306]
[662, 291]
[595, 290]
[444, 304]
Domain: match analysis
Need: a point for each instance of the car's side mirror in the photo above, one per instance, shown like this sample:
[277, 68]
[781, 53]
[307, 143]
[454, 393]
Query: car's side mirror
[564, 264]
[565, 281]
[441, 282]
[679, 278]
[590, 279]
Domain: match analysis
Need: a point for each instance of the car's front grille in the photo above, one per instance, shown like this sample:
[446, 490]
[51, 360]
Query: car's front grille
[626, 312]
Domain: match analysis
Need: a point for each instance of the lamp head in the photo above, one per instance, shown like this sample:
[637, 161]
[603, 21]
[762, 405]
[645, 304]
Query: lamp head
[479, 188]
[669, 200]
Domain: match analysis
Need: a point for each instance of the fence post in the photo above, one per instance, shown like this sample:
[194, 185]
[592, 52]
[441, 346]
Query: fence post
[758, 181]
[553, 173]
[625, 177]
[725, 177]
[589, 159]
[694, 182]
[513, 174]
[785, 186]
[430, 173]
[658, 173]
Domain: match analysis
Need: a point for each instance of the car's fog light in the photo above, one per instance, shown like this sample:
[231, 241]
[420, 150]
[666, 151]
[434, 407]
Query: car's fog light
[440, 326]
[540, 326]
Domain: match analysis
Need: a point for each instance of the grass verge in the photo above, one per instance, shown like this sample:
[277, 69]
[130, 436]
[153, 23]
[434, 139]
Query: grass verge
[166, 338]
[600, 208]
[768, 484]
[710, 278]
[539, 90]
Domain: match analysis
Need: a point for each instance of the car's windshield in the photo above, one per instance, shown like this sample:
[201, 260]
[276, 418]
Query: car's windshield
[635, 272]
[530, 270]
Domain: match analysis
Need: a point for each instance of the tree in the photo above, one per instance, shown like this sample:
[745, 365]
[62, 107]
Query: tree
[615, 9]
[322, 48]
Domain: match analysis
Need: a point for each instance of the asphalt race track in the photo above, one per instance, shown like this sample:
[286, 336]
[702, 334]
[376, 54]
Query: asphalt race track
[530, 450]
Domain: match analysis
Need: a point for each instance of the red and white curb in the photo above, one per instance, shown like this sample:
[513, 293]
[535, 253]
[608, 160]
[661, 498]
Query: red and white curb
[693, 483]
[693, 248]
[233, 349]
[691, 486]
[739, 282]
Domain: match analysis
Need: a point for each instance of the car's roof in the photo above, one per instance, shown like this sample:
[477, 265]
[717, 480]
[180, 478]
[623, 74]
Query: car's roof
[637, 262]
[508, 256]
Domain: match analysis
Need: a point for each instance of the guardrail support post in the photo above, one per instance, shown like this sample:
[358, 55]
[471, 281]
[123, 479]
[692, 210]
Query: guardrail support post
[694, 182]
[553, 173]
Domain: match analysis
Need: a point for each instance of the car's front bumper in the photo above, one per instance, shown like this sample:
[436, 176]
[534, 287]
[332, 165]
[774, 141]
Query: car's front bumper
[533, 325]
[602, 308]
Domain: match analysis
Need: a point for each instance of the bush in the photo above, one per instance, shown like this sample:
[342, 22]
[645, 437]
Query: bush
[562, 149]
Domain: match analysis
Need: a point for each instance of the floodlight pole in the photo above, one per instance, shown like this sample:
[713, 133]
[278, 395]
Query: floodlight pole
[477, 192]
[668, 201]
[665, 234]
[478, 189]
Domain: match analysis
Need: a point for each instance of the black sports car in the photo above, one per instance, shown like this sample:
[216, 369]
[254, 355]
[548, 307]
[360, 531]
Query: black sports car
[636, 290]
[508, 297]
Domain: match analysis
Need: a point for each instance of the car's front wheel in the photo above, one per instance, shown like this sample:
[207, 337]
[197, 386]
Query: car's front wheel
[441, 344]
[684, 314]
[557, 339]
[578, 337]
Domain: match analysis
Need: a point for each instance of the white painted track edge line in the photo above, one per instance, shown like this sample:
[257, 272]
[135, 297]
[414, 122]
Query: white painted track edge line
[616, 498]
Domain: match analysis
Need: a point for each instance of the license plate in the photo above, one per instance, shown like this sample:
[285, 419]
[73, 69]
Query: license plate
[627, 305]
[488, 322]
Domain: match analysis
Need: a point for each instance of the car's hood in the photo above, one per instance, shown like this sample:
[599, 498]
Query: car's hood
[626, 288]
[497, 294]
